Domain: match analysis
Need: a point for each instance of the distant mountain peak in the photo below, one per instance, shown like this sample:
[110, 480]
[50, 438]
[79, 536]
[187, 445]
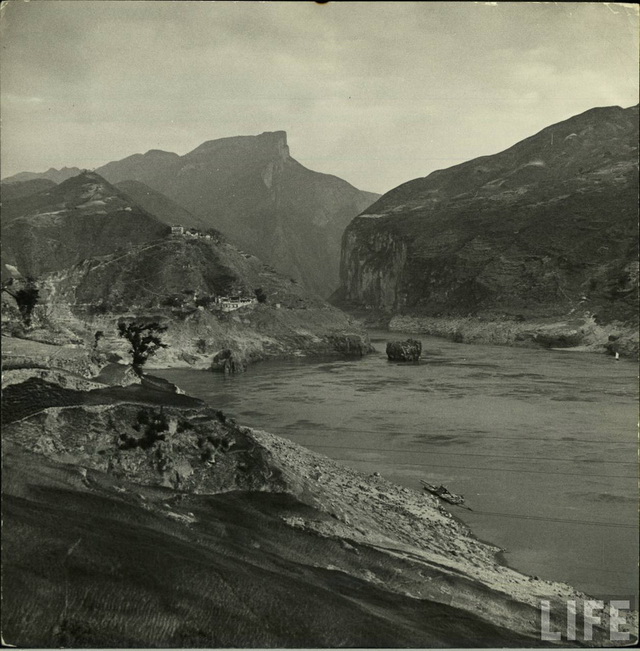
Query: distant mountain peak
[52, 174]
[86, 181]
[253, 191]
[268, 141]
[85, 176]
[160, 153]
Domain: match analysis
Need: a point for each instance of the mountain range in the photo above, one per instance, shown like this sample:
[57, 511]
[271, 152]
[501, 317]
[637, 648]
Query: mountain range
[260, 542]
[52, 174]
[251, 189]
[97, 256]
[61, 225]
[545, 228]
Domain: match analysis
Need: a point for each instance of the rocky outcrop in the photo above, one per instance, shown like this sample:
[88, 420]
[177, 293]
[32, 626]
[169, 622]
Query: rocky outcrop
[351, 345]
[545, 229]
[404, 351]
[26, 354]
[121, 375]
[228, 362]
[57, 377]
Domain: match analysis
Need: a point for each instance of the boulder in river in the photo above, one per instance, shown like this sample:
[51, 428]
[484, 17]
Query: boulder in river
[228, 361]
[404, 351]
[351, 345]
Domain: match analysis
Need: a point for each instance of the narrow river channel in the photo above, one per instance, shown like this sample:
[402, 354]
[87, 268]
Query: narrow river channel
[542, 443]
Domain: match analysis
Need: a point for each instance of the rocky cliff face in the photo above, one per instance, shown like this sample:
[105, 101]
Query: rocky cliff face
[266, 202]
[546, 228]
[61, 225]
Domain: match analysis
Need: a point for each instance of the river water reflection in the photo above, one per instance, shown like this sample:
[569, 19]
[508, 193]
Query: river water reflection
[543, 444]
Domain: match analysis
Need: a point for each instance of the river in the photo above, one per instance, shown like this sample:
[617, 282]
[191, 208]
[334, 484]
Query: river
[542, 443]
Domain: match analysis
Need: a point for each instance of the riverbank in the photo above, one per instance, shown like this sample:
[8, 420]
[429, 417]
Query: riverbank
[193, 339]
[124, 457]
[528, 435]
[230, 569]
[580, 334]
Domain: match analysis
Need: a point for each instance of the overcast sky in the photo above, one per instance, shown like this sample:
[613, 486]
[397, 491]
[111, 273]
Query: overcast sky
[376, 93]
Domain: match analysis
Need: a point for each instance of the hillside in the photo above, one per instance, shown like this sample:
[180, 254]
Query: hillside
[544, 230]
[169, 272]
[251, 189]
[18, 189]
[159, 205]
[176, 280]
[82, 217]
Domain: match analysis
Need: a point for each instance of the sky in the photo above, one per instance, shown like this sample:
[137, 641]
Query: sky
[377, 93]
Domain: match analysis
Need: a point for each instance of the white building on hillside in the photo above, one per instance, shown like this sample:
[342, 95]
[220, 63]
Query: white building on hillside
[231, 303]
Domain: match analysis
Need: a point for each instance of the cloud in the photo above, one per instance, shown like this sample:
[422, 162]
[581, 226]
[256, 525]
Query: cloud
[377, 93]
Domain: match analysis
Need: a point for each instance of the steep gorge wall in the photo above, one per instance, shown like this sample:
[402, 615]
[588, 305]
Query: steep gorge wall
[372, 268]
[546, 229]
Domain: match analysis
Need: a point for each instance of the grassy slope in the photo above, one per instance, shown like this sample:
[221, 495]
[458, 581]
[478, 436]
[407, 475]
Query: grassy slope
[10, 191]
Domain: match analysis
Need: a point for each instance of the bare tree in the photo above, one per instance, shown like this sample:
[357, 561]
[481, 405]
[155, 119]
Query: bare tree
[144, 339]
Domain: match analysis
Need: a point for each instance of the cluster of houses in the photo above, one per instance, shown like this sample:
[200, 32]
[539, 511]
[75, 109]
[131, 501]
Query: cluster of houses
[230, 303]
[223, 303]
[190, 232]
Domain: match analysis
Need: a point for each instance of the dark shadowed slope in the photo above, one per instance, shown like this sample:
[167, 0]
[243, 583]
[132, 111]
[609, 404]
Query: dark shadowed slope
[251, 189]
[87, 566]
[545, 228]
[82, 217]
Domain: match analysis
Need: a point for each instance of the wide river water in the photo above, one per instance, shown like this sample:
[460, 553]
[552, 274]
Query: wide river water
[542, 443]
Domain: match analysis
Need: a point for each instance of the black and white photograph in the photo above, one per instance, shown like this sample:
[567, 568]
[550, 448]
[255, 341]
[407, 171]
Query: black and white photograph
[319, 324]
